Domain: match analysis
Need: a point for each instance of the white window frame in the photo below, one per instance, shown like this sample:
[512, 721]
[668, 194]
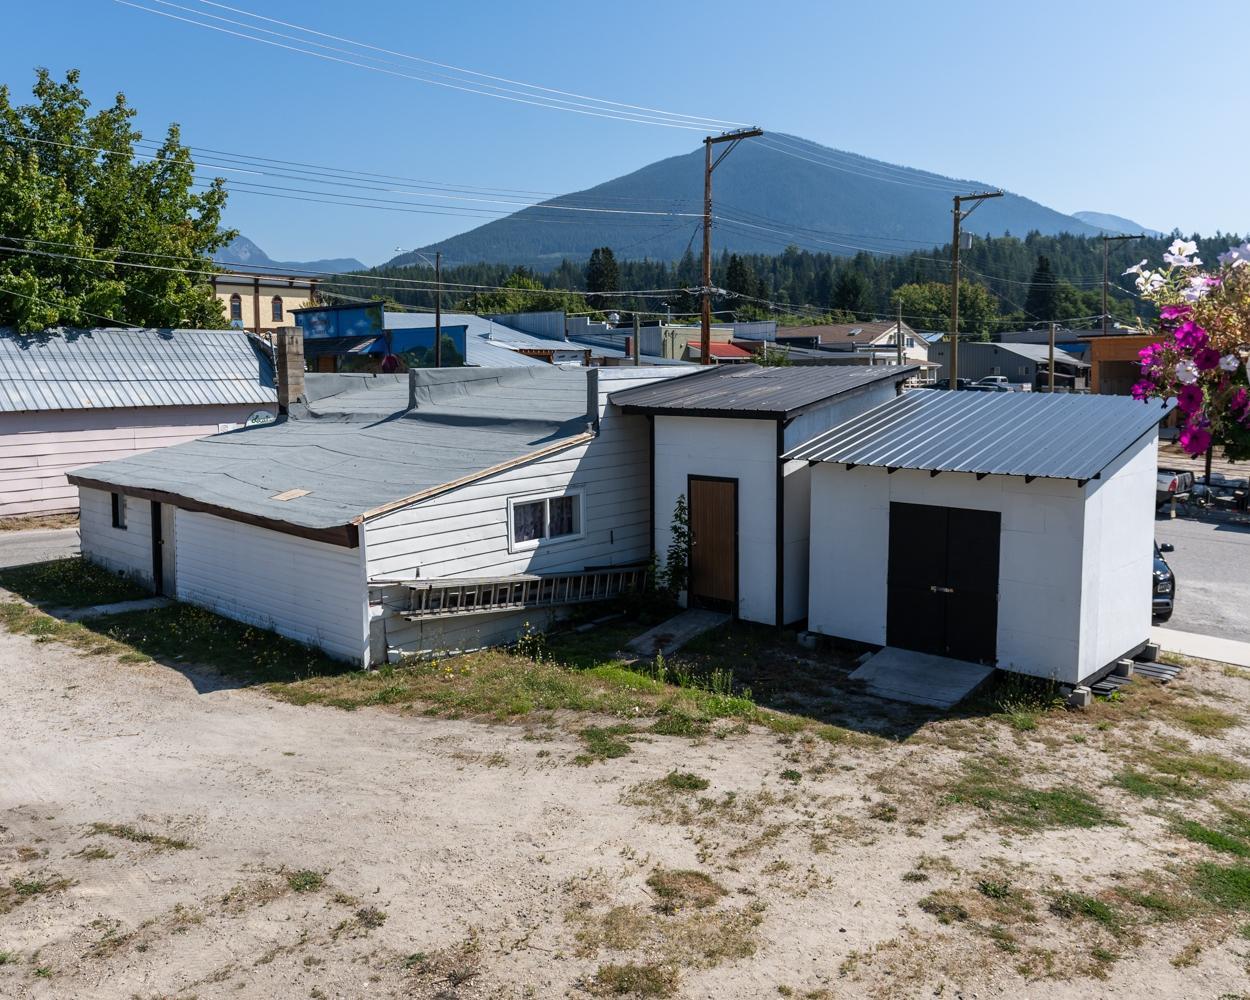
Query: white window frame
[536, 543]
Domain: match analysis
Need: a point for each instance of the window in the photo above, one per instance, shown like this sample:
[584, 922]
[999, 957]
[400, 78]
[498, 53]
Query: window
[236, 308]
[544, 519]
[276, 308]
[119, 510]
[911, 341]
[996, 370]
[1022, 371]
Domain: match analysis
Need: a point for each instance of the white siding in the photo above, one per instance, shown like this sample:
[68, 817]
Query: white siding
[797, 491]
[126, 550]
[1040, 606]
[38, 448]
[1118, 557]
[465, 532]
[309, 591]
[745, 450]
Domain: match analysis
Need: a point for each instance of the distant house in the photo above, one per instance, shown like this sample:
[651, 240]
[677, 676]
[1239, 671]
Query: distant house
[261, 302]
[70, 397]
[721, 354]
[1115, 361]
[1021, 364]
[868, 338]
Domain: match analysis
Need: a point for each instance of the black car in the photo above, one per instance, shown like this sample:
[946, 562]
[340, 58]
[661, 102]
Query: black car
[1164, 585]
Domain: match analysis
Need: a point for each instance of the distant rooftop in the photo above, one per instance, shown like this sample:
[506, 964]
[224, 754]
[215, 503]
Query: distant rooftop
[122, 368]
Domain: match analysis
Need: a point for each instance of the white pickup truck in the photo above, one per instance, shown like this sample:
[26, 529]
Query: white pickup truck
[999, 383]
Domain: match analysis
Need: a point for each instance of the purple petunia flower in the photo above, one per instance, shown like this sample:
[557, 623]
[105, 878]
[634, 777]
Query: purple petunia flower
[1240, 400]
[1169, 313]
[1195, 439]
[1189, 399]
[1190, 336]
[1206, 359]
[1142, 390]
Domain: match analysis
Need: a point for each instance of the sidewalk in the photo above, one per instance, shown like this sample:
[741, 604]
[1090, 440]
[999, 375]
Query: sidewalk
[1204, 647]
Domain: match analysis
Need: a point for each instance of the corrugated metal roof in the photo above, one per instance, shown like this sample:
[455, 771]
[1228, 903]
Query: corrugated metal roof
[749, 390]
[488, 344]
[110, 368]
[355, 451]
[1009, 433]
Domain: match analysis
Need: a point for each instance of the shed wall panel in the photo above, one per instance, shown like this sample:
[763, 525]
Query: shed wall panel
[309, 591]
[127, 550]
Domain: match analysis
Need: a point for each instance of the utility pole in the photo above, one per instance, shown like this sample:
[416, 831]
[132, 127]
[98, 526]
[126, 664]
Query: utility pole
[898, 334]
[733, 138]
[959, 215]
[438, 309]
[1106, 277]
[1052, 358]
[636, 347]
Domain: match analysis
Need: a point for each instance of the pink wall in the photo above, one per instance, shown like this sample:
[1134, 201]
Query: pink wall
[37, 449]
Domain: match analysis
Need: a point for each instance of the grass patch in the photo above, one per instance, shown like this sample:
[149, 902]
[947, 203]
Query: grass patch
[1227, 886]
[1203, 720]
[1157, 786]
[1216, 839]
[19, 890]
[70, 583]
[685, 887]
[1016, 699]
[944, 905]
[124, 831]
[1159, 906]
[684, 781]
[305, 881]
[1018, 807]
[604, 743]
[634, 979]
[1181, 762]
[1072, 905]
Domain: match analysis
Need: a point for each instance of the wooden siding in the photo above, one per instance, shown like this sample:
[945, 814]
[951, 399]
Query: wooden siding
[126, 551]
[37, 449]
[309, 591]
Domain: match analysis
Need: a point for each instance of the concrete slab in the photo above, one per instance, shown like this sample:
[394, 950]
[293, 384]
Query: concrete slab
[120, 607]
[920, 678]
[1204, 647]
[668, 637]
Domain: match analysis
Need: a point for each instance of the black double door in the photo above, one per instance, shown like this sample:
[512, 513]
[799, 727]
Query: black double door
[943, 581]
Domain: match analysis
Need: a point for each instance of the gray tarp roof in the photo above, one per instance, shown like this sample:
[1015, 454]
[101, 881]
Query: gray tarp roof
[356, 449]
[113, 368]
[1001, 433]
[749, 390]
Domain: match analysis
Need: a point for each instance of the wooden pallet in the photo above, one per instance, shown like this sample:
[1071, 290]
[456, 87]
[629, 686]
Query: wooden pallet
[458, 596]
[1163, 672]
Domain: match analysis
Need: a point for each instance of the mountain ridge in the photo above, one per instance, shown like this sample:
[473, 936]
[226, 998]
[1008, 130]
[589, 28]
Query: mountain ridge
[1116, 224]
[242, 253]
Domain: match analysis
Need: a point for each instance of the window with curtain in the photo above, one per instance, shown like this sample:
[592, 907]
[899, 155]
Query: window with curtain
[548, 519]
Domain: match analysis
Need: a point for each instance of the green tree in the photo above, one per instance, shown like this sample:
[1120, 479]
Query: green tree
[59, 194]
[852, 294]
[927, 306]
[1042, 302]
[602, 275]
[739, 278]
[521, 293]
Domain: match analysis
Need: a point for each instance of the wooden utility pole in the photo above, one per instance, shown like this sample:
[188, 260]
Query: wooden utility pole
[1052, 358]
[733, 138]
[438, 309]
[1106, 277]
[959, 215]
[636, 346]
[898, 334]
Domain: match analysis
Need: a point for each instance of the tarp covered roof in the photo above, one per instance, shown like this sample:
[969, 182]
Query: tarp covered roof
[1009, 433]
[115, 369]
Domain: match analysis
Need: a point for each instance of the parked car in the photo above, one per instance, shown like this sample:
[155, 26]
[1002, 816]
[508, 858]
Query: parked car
[1164, 586]
[993, 380]
[945, 383]
[989, 387]
[1172, 482]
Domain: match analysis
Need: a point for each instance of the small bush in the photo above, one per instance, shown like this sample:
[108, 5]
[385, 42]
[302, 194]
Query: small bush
[791, 775]
[992, 888]
[305, 881]
[684, 781]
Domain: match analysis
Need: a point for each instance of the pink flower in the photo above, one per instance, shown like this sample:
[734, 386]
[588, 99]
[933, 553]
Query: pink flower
[1190, 336]
[1206, 359]
[1189, 399]
[1239, 401]
[1142, 390]
[1195, 440]
[1169, 313]
[1150, 355]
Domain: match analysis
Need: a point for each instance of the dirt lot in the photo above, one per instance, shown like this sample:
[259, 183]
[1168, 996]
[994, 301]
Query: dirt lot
[167, 833]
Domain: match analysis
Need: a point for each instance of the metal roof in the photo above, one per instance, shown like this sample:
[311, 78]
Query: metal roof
[112, 368]
[1040, 435]
[358, 447]
[488, 344]
[750, 390]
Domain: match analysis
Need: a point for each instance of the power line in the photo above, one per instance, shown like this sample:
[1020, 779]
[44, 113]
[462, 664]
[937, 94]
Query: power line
[32, 298]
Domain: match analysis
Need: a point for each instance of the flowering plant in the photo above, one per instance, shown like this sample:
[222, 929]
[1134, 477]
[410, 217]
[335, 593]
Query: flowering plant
[1204, 341]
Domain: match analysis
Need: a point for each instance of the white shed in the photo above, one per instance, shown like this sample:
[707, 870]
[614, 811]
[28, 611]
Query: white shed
[1012, 529]
[717, 438]
[393, 514]
[69, 397]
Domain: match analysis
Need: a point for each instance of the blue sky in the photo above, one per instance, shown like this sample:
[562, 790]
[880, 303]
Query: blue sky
[1135, 109]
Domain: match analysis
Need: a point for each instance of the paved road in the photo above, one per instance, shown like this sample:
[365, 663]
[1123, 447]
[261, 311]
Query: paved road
[37, 545]
[1212, 567]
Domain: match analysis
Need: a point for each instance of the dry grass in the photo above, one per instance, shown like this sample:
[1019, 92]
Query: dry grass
[32, 522]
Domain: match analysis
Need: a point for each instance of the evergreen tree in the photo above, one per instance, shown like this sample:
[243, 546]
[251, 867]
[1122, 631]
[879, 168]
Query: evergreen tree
[1042, 302]
[852, 294]
[602, 275]
[60, 195]
[739, 278]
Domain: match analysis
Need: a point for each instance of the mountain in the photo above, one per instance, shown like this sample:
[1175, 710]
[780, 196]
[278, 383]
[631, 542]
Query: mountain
[1114, 224]
[241, 254]
[820, 199]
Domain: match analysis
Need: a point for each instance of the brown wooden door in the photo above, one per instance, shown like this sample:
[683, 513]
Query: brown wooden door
[713, 543]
